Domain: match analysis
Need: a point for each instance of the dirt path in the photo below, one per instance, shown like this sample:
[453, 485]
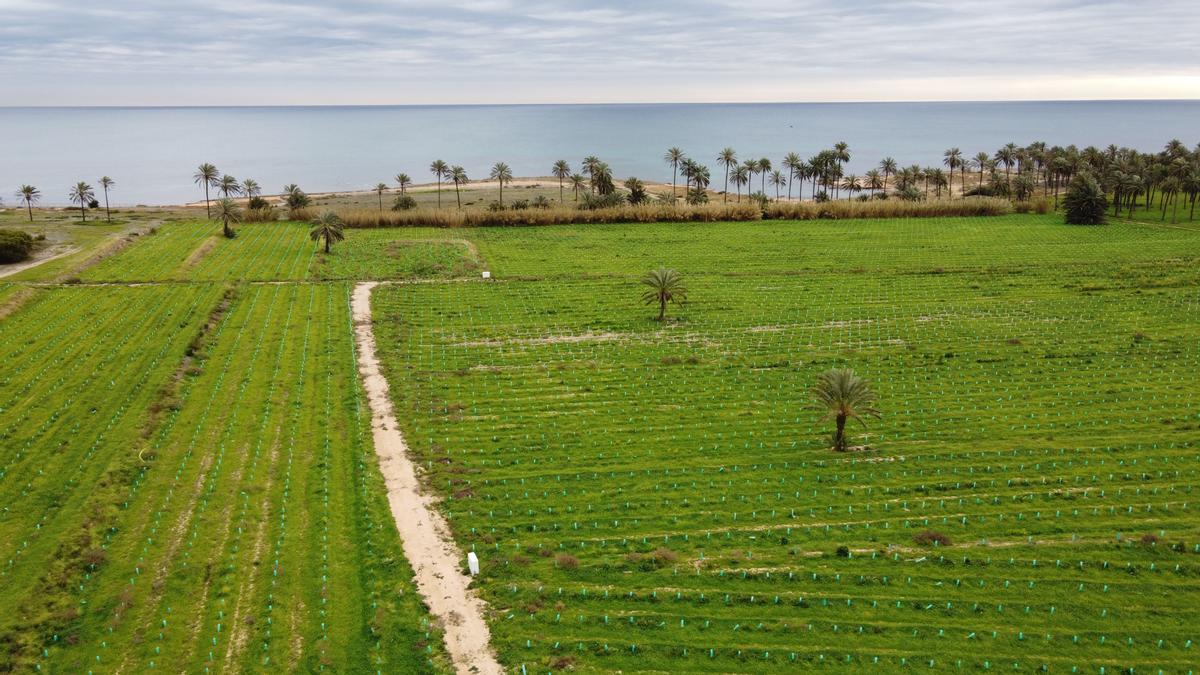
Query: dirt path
[9, 270]
[423, 532]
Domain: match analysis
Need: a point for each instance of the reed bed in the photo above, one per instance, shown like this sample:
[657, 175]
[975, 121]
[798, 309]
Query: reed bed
[891, 208]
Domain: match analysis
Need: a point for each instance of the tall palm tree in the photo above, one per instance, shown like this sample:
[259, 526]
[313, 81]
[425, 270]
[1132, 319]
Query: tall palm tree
[792, 163]
[327, 226]
[561, 171]
[851, 184]
[82, 194]
[874, 181]
[229, 186]
[208, 176]
[105, 184]
[403, 181]
[590, 163]
[764, 168]
[953, 159]
[380, 188]
[439, 169]
[1007, 156]
[728, 159]
[741, 176]
[983, 161]
[665, 286]
[751, 167]
[501, 174]
[251, 189]
[602, 178]
[844, 396]
[578, 182]
[777, 181]
[674, 157]
[228, 212]
[459, 176]
[30, 195]
[888, 167]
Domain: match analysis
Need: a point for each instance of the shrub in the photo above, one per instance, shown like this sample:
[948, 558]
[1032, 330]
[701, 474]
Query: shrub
[1085, 202]
[1149, 539]
[566, 561]
[519, 205]
[606, 201]
[262, 214]
[404, 203]
[909, 194]
[15, 246]
[637, 191]
[931, 538]
[257, 202]
[843, 552]
[540, 202]
[697, 196]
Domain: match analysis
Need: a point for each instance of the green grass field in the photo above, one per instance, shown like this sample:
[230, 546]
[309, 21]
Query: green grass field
[187, 480]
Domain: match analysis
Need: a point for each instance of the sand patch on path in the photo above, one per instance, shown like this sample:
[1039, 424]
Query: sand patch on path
[423, 532]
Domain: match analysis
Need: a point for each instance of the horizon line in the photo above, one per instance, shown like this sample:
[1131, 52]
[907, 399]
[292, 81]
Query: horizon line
[608, 103]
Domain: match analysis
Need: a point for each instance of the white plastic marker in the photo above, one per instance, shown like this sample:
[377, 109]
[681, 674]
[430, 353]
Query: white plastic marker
[487, 274]
[473, 563]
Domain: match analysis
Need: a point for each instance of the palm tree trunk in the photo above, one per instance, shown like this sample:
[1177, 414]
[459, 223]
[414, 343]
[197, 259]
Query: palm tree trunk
[326, 244]
[29, 207]
[839, 438]
[560, 191]
[439, 189]
[381, 203]
[674, 173]
[107, 213]
[726, 184]
[82, 210]
[458, 195]
[662, 307]
[501, 193]
[207, 208]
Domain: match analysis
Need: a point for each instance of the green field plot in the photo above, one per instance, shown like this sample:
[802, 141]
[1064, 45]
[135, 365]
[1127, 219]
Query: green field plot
[188, 483]
[662, 496]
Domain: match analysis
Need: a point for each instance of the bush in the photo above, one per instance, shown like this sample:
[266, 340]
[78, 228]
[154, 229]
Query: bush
[843, 552]
[637, 191]
[607, 201]
[15, 246]
[697, 196]
[404, 203]
[931, 538]
[519, 204]
[257, 203]
[540, 202]
[566, 561]
[840, 210]
[260, 214]
[1085, 202]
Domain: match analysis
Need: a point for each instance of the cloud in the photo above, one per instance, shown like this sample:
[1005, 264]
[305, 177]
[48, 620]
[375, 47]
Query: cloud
[405, 51]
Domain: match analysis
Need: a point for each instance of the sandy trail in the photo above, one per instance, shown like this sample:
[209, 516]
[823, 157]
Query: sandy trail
[8, 270]
[423, 532]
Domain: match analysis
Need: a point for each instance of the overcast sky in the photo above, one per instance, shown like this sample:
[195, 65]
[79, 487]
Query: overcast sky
[218, 52]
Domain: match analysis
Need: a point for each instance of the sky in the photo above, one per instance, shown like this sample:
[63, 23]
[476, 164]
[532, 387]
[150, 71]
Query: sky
[304, 52]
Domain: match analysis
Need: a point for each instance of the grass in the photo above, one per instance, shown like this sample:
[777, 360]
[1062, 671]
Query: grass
[187, 478]
[661, 497]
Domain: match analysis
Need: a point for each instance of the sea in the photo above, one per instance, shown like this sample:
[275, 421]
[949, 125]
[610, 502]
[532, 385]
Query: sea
[152, 153]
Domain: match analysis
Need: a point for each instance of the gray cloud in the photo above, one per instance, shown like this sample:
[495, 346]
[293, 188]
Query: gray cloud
[404, 51]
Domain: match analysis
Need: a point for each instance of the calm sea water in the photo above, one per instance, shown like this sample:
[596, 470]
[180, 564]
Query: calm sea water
[152, 152]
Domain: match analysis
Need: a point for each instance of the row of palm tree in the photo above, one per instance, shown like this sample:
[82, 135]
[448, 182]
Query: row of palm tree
[229, 187]
[82, 194]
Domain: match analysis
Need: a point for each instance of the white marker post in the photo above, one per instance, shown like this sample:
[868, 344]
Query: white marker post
[473, 560]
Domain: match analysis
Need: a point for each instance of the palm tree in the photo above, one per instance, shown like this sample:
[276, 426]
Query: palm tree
[851, 185]
[105, 184]
[664, 286]
[792, 163]
[228, 185]
[208, 176]
[953, 159]
[741, 176]
[459, 176]
[380, 188]
[439, 169]
[673, 157]
[590, 163]
[82, 194]
[728, 159]
[251, 189]
[751, 167]
[764, 168]
[983, 161]
[602, 178]
[874, 181]
[228, 212]
[561, 171]
[403, 181]
[30, 195]
[327, 226]
[578, 182]
[888, 167]
[1007, 156]
[844, 396]
[501, 174]
[778, 180]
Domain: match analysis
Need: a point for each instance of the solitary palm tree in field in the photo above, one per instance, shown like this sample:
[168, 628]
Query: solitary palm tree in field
[728, 159]
[664, 286]
[459, 176]
[983, 161]
[888, 167]
[106, 183]
[380, 188]
[953, 159]
[578, 182]
[403, 181]
[30, 195]
[674, 157]
[778, 180]
[208, 176]
[251, 188]
[439, 169]
[844, 396]
[228, 212]
[229, 186]
[561, 171]
[82, 194]
[327, 226]
[501, 174]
